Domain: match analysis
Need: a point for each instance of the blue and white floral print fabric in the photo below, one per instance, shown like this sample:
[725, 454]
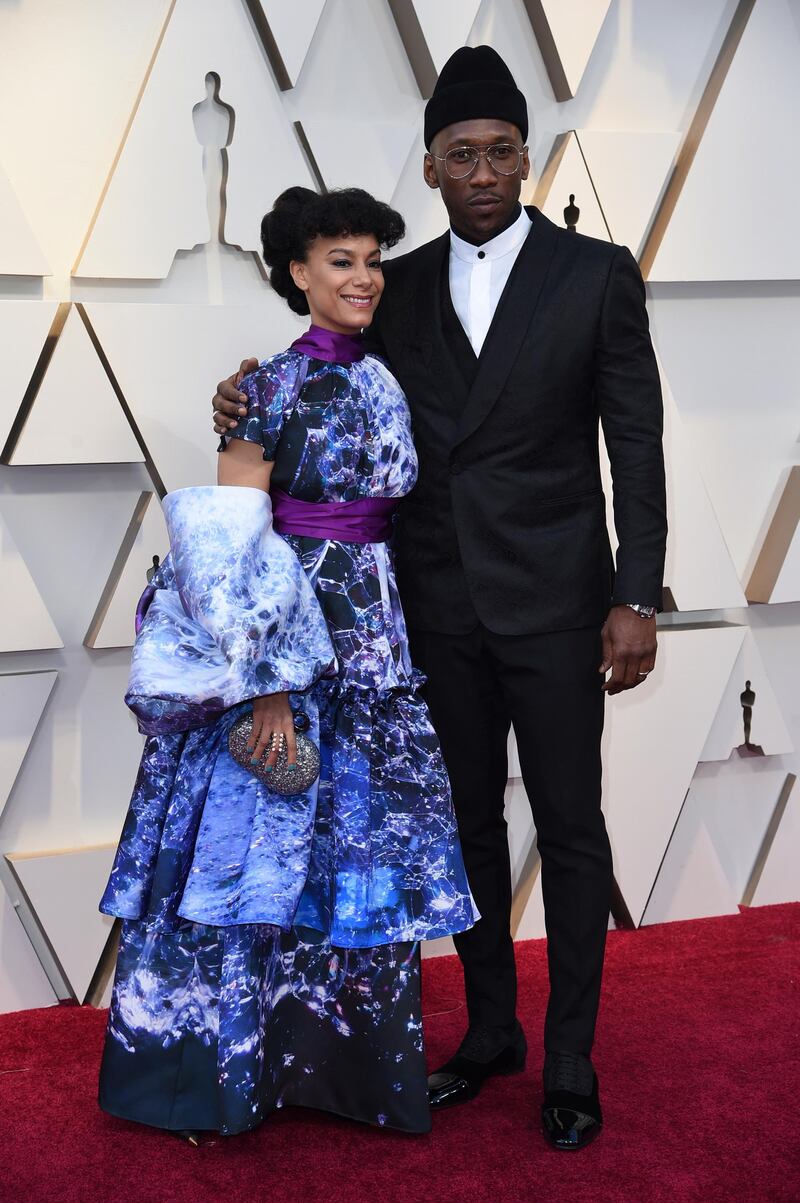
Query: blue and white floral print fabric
[268, 950]
[369, 855]
[240, 619]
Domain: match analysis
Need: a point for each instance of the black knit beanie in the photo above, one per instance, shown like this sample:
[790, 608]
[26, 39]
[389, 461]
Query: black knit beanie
[475, 82]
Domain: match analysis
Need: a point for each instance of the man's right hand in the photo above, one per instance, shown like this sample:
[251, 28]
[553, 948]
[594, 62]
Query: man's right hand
[229, 404]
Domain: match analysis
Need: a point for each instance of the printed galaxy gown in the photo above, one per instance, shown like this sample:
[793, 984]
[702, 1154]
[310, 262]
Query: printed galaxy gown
[269, 950]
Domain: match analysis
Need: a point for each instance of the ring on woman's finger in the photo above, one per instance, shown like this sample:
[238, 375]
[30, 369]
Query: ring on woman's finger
[647, 674]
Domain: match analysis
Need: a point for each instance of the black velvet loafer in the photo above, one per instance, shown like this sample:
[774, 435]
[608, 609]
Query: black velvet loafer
[571, 1121]
[483, 1054]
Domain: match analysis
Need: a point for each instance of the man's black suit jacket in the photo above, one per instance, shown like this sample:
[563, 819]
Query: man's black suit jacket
[507, 523]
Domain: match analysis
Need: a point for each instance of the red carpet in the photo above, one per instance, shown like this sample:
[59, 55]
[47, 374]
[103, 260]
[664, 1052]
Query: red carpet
[699, 1064]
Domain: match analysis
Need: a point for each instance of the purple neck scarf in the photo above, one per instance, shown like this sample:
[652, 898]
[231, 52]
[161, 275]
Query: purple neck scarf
[319, 343]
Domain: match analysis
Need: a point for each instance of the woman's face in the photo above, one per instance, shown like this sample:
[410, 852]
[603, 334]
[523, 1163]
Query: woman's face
[342, 280]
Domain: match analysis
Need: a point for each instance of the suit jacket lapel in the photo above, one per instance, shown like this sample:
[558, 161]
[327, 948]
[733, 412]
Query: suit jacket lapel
[513, 317]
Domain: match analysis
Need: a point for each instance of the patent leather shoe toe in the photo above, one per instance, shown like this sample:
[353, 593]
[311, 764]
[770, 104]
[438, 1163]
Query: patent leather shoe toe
[571, 1121]
[461, 1078]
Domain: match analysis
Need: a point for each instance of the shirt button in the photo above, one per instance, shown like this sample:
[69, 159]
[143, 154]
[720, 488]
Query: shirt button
[481, 254]
[455, 467]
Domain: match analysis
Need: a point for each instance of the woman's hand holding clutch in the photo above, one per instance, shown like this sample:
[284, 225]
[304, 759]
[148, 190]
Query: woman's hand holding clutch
[273, 728]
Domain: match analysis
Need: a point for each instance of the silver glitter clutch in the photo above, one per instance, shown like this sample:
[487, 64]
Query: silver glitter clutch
[281, 780]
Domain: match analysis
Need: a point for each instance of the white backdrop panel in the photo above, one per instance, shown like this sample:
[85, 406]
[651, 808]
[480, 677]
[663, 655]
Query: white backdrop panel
[24, 619]
[23, 697]
[24, 326]
[628, 170]
[778, 881]
[139, 228]
[113, 625]
[738, 182]
[652, 742]
[63, 890]
[20, 253]
[293, 27]
[23, 982]
[168, 359]
[54, 431]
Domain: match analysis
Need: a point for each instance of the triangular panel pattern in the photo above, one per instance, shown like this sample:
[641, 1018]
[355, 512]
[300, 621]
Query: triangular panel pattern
[264, 157]
[787, 586]
[113, 624]
[20, 253]
[24, 326]
[776, 575]
[293, 27]
[23, 982]
[699, 569]
[692, 883]
[732, 183]
[653, 739]
[778, 880]
[629, 170]
[187, 348]
[379, 173]
[62, 890]
[567, 31]
[25, 624]
[735, 802]
[23, 697]
[51, 435]
[445, 25]
[566, 175]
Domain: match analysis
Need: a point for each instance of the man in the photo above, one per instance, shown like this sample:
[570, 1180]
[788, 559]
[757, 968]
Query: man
[511, 338]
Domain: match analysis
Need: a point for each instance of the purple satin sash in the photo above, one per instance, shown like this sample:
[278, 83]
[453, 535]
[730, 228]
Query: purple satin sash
[330, 345]
[367, 520]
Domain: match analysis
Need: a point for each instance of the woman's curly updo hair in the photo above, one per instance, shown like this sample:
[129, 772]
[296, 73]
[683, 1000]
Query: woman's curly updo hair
[299, 216]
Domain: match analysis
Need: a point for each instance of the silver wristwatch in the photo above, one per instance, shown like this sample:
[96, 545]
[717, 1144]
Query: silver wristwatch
[642, 611]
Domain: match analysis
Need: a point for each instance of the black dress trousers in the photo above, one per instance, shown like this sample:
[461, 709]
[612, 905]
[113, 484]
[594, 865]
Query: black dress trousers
[549, 688]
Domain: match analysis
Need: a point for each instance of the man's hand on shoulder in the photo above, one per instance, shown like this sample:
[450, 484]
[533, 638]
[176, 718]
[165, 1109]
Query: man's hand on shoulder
[228, 403]
[629, 649]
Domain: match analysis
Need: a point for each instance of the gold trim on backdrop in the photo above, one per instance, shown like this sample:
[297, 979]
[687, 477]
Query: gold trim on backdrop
[768, 840]
[694, 135]
[271, 48]
[778, 540]
[105, 967]
[548, 50]
[124, 139]
[545, 180]
[153, 472]
[310, 158]
[415, 46]
[117, 568]
[35, 383]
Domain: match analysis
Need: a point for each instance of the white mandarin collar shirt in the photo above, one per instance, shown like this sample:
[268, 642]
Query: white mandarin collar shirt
[478, 275]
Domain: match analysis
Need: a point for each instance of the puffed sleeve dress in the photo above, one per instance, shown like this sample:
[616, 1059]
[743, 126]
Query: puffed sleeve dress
[269, 946]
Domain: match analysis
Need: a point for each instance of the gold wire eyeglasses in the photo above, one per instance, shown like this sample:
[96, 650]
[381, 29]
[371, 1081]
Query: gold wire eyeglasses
[461, 161]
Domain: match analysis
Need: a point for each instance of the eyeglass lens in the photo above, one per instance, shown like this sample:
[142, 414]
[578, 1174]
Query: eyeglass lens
[502, 158]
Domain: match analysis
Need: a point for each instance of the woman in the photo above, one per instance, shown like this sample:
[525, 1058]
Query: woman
[269, 949]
